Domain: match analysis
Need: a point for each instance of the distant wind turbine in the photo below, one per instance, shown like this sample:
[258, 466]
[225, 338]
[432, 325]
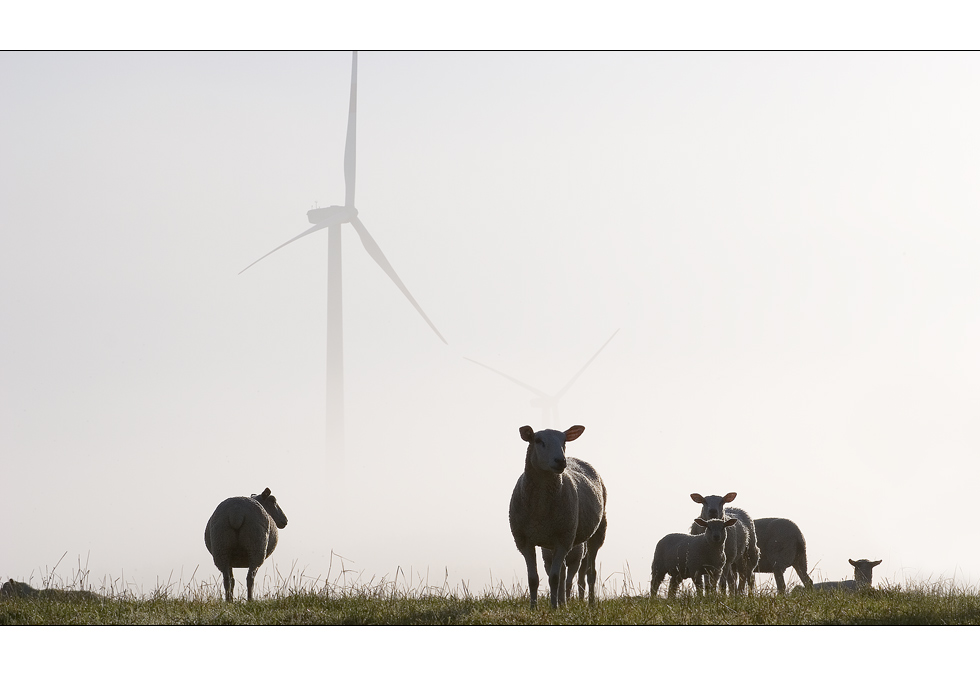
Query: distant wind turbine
[332, 218]
[548, 403]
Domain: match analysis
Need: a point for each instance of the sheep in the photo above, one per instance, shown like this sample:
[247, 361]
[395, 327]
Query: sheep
[242, 533]
[862, 578]
[742, 551]
[558, 504]
[691, 556]
[14, 589]
[781, 545]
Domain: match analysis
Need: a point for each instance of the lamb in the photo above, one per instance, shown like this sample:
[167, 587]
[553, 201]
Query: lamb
[558, 504]
[691, 556]
[781, 545]
[742, 551]
[242, 533]
[14, 589]
[862, 578]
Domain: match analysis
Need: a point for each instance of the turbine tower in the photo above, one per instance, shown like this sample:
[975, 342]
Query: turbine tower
[333, 218]
[548, 403]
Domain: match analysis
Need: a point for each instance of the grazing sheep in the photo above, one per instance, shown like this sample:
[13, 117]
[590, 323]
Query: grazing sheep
[742, 551]
[862, 578]
[558, 504]
[241, 533]
[691, 556]
[781, 545]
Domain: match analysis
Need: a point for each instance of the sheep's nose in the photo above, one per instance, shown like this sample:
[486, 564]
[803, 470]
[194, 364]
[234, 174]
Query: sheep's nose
[560, 465]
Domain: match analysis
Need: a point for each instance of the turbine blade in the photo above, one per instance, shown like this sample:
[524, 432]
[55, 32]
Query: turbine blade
[575, 377]
[375, 252]
[350, 150]
[319, 226]
[513, 380]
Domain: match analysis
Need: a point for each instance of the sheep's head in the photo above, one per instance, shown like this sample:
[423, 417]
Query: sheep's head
[546, 448]
[862, 569]
[714, 529]
[713, 506]
[268, 501]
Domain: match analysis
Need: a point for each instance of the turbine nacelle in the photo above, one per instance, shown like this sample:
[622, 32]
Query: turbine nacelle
[330, 215]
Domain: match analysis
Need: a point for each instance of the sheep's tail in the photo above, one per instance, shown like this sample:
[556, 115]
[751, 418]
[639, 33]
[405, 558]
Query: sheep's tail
[236, 519]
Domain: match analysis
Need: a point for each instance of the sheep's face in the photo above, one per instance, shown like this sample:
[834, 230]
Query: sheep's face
[546, 449]
[715, 530]
[713, 506]
[268, 501]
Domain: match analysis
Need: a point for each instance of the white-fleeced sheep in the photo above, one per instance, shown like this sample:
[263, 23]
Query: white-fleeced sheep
[558, 504]
[742, 550]
[862, 577]
[781, 545]
[241, 533]
[698, 557]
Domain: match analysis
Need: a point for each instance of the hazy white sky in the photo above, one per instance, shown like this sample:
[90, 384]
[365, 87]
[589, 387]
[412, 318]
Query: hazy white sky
[786, 242]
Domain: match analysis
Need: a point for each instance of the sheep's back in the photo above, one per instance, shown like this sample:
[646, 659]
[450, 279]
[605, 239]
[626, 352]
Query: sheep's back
[670, 555]
[241, 530]
[591, 496]
[779, 542]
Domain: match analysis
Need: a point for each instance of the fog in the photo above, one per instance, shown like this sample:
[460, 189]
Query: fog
[786, 244]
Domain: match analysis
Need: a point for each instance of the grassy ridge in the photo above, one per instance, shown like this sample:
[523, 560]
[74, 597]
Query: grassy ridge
[916, 606]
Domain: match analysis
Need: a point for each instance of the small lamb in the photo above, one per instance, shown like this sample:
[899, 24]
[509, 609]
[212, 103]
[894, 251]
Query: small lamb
[14, 589]
[862, 578]
[742, 550]
[691, 556]
[781, 545]
[558, 504]
[242, 533]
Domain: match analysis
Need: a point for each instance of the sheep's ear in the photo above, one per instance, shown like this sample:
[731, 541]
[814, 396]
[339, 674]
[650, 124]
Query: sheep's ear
[697, 498]
[573, 432]
[729, 497]
[875, 563]
[701, 522]
[851, 562]
[267, 492]
[527, 433]
[731, 522]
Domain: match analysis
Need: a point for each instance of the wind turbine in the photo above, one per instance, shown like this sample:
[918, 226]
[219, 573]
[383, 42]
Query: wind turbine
[548, 403]
[333, 218]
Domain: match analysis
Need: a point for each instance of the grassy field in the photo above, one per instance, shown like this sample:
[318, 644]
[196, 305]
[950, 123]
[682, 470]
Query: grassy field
[294, 599]
[384, 605]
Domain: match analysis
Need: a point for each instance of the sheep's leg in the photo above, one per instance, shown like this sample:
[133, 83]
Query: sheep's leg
[532, 573]
[229, 580]
[780, 582]
[556, 578]
[250, 580]
[698, 584]
[801, 571]
[575, 568]
[672, 589]
[591, 551]
[732, 581]
[656, 579]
